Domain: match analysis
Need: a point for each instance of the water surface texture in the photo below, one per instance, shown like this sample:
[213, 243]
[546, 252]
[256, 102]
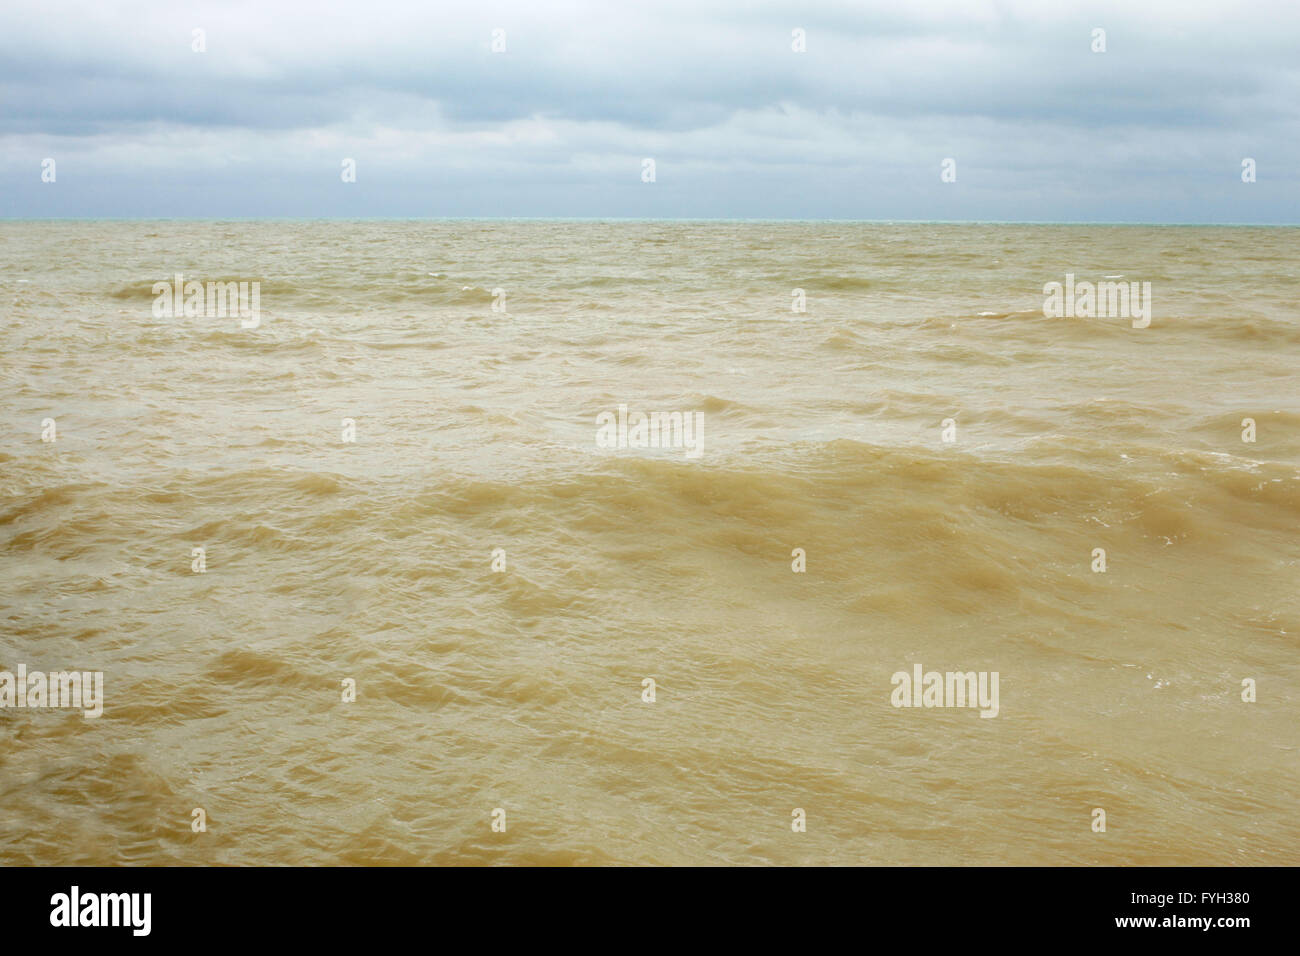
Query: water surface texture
[475, 429]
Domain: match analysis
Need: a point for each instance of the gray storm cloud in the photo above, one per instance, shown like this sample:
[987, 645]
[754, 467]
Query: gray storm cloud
[740, 125]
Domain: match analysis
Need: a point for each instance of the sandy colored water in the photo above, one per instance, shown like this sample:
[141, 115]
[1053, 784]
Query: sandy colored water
[521, 689]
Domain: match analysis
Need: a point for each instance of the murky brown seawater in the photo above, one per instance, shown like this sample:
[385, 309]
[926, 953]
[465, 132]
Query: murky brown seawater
[475, 430]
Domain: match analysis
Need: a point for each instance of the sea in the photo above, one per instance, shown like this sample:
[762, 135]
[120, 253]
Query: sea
[562, 542]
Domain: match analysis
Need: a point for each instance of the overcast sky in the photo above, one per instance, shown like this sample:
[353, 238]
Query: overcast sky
[738, 124]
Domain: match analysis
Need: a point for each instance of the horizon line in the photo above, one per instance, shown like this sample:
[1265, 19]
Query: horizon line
[633, 219]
